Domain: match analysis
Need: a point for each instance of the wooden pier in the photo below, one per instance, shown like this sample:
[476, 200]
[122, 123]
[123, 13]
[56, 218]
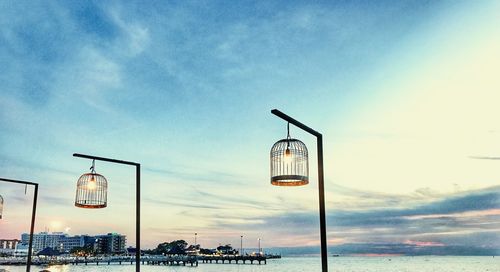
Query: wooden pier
[181, 260]
[145, 260]
[260, 259]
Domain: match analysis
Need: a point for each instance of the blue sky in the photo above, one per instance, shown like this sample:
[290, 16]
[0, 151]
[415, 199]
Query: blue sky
[404, 93]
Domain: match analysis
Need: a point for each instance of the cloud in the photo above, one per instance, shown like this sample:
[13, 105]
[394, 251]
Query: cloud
[422, 243]
[190, 174]
[455, 220]
[465, 202]
[484, 158]
[184, 204]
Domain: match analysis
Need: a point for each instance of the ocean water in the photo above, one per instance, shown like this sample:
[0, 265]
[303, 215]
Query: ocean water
[309, 264]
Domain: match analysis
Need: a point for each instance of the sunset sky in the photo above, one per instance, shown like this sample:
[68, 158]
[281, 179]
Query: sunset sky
[406, 94]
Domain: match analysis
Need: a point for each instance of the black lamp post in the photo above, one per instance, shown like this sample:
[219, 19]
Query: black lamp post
[92, 193]
[290, 167]
[33, 214]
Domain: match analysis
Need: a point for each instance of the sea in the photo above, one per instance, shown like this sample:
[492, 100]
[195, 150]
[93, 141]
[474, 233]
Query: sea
[307, 264]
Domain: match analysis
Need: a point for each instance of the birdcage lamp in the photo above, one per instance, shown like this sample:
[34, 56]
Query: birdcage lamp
[91, 190]
[289, 162]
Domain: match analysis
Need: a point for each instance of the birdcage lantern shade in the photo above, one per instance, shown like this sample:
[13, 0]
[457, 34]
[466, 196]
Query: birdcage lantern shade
[1, 207]
[289, 163]
[91, 191]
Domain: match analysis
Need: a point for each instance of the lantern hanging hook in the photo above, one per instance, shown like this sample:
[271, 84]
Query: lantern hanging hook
[287, 138]
[288, 130]
[92, 168]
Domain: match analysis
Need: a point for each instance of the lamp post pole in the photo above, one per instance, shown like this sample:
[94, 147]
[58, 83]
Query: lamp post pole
[137, 201]
[241, 245]
[33, 215]
[321, 186]
[195, 234]
[259, 247]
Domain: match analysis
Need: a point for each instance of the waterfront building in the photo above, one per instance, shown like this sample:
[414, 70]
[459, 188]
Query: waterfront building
[8, 246]
[6, 252]
[9, 243]
[21, 250]
[67, 243]
[111, 243]
[43, 240]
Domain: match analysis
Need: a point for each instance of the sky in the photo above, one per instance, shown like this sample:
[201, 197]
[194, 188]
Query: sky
[404, 92]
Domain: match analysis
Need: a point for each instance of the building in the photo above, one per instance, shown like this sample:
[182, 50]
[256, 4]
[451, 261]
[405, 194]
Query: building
[9, 243]
[8, 246]
[43, 240]
[111, 243]
[21, 250]
[69, 242]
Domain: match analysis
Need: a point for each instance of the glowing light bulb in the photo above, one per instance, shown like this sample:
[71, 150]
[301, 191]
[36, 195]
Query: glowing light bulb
[92, 184]
[288, 155]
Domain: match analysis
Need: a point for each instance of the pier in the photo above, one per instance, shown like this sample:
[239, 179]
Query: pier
[111, 260]
[234, 258]
[145, 260]
[178, 260]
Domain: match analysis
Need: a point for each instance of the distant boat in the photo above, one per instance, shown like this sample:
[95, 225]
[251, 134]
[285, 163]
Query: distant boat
[336, 255]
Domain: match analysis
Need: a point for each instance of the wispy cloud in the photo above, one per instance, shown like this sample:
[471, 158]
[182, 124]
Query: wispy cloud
[484, 158]
[452, 220]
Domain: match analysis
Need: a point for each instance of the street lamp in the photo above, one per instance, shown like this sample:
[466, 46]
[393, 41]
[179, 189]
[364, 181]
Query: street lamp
[241, 245]
[91, 193]
[290, 167]
[195, 234]
[259, 247]
[33, 214]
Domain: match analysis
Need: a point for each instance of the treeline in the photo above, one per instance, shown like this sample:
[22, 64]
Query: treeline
[181, 247]
[177, 247]
[168, 247]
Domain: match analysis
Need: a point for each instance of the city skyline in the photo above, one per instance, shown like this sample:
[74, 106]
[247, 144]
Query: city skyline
[404, 93]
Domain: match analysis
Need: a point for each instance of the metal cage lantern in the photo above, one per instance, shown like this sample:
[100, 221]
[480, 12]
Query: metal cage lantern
[1, 206]
[289, 162]
[91, 190]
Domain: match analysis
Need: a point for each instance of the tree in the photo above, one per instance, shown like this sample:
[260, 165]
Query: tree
[165, 247]
[227, 249]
